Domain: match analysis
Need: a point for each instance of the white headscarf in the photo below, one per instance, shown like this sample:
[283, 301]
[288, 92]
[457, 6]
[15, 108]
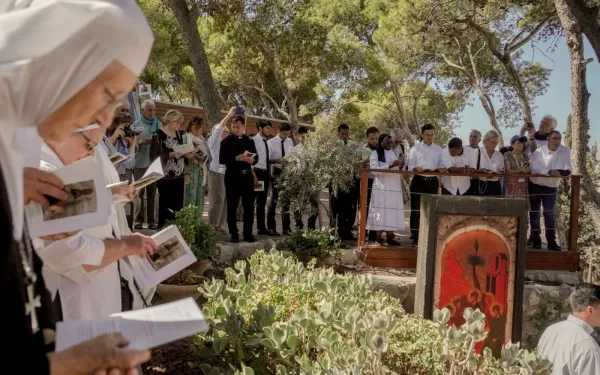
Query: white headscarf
[50, 50]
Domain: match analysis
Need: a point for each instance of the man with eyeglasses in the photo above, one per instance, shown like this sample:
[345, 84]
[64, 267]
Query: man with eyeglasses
[147, 125]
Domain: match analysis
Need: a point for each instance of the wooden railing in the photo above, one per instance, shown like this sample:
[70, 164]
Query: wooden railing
[405, 257]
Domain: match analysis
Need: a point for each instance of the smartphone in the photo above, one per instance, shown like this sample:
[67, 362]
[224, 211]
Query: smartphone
[239, 111]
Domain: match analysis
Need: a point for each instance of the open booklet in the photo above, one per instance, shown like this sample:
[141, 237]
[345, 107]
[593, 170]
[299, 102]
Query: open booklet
[88, 205]
[153, 174]
[185, 148]
[171, 256]
[144, 329]
[114, 156]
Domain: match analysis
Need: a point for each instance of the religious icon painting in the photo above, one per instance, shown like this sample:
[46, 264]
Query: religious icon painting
[474, 270]
[473, 260]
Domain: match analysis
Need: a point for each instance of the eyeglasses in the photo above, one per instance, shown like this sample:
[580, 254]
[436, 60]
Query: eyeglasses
[90, 144]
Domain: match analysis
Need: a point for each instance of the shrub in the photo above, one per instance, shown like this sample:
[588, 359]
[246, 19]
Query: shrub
[458, 356]
[311, 243]
[199, 235]
[281, 317]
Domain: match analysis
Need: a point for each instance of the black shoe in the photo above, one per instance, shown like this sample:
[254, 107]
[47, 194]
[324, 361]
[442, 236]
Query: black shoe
[287, 232]
[249, 239]
[529, 242]
[414, 244]
[536, 245]
[235, 238]
[554, 247]
[138, 226]
[274, 233]
[265, 232]
[393, 242]
[153, 227]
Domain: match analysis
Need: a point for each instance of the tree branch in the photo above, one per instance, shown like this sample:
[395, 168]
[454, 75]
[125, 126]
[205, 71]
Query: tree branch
[514, 45]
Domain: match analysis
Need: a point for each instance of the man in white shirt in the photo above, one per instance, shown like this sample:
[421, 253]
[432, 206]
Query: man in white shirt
[553, 160]
[261, 171]
[279, 147]
[571, 345]
[457, 159]
[217, 210]
[424, 156]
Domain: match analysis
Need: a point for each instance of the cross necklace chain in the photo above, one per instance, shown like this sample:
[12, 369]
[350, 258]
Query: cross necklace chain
[33, 301]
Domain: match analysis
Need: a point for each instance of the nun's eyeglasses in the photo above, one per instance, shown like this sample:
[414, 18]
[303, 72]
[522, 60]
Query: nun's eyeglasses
[90, 144]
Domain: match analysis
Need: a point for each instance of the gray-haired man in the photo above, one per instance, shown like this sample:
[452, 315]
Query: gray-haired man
[147, 125]
[570, 345]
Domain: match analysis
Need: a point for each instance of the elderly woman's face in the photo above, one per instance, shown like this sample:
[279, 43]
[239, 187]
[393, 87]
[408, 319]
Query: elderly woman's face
[491, 143]
[94, 103]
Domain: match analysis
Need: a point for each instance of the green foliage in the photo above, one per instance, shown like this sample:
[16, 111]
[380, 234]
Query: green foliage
[458, 356]
[277, 316]
[199, 235]
[311, 243]
[321, 161]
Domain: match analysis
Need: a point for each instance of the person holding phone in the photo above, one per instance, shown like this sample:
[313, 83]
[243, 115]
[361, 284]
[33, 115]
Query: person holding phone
[517, 165]
[553, 160]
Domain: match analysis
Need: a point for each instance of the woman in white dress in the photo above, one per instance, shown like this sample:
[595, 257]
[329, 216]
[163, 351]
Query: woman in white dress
[386, 210]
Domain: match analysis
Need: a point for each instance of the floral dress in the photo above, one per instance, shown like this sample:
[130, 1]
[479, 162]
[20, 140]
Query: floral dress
[515, 185]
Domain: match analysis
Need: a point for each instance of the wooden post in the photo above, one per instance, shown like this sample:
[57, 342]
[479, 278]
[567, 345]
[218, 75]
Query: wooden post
[362, 214]
[574, 213]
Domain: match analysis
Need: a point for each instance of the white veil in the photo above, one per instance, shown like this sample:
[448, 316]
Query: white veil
[51, 49]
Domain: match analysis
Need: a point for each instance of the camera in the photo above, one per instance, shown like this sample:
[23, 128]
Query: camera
[128, 131]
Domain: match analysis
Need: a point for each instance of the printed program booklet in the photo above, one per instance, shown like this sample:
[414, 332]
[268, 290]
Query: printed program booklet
[144, 329]
[153, 174]
[88, 205]
[171, 256]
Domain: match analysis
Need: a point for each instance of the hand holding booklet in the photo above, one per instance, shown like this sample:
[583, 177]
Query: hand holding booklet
[88, 205]
[153, 174]
[185, 148]
[144, 329]
[171, 256]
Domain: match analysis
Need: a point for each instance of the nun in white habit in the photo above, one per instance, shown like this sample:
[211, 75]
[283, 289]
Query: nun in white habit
[386, 210]
[58, 78]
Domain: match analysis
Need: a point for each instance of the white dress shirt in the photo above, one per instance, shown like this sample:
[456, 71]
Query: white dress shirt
[458, 183]
[570, 347]
[427, 157]
[544, 160]
[84, 295]
[261, 150]
[275, 148]
[495, 163]
[214, 145]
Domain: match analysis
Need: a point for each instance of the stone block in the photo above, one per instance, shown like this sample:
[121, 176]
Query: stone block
[558, 277]
[534, 298]
[400, 287]
[554, 294]
[225, 254]
[245, 250]
[350, 257]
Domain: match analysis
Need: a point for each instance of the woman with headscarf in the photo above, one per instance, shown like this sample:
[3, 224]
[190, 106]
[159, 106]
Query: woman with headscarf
[386, 209]
[60, 79]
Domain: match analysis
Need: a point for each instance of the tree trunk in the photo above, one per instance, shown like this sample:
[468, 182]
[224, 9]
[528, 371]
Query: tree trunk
[587, 19]
[489, 109]
[188, 22]
[401, 114]
[579, 93]
[283, 86]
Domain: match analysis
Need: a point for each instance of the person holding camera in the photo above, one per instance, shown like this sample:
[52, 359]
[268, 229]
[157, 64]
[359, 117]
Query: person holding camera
[122, 138]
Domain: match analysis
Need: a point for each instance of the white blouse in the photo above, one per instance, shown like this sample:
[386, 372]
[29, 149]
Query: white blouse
[495, 163]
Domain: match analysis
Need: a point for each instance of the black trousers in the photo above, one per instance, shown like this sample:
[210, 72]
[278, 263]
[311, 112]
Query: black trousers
[313, 214]
[490, 188]
[170, 198]
[343, 209]
[371, 234]
[420, 185]
[261, 197]
[239, 184]
[286, 220]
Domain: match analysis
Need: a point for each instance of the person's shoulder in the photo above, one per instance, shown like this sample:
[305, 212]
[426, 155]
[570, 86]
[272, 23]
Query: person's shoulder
[564, 148]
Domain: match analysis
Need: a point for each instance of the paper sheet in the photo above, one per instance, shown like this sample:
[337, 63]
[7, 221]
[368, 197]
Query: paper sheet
[184, 148]
[153, 174]
[172, 255]
[88, 205]
[260, 187]
[145, 329]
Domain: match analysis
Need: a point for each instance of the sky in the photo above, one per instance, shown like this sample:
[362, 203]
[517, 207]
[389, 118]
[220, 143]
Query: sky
[557, 99]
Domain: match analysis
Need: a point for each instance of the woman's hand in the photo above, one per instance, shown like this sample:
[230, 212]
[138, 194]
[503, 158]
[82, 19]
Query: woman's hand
[189, 155]
[525, 169]
[118, 133]
[174, 154]
[37, 183]
[139, 244]
[128, 191]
